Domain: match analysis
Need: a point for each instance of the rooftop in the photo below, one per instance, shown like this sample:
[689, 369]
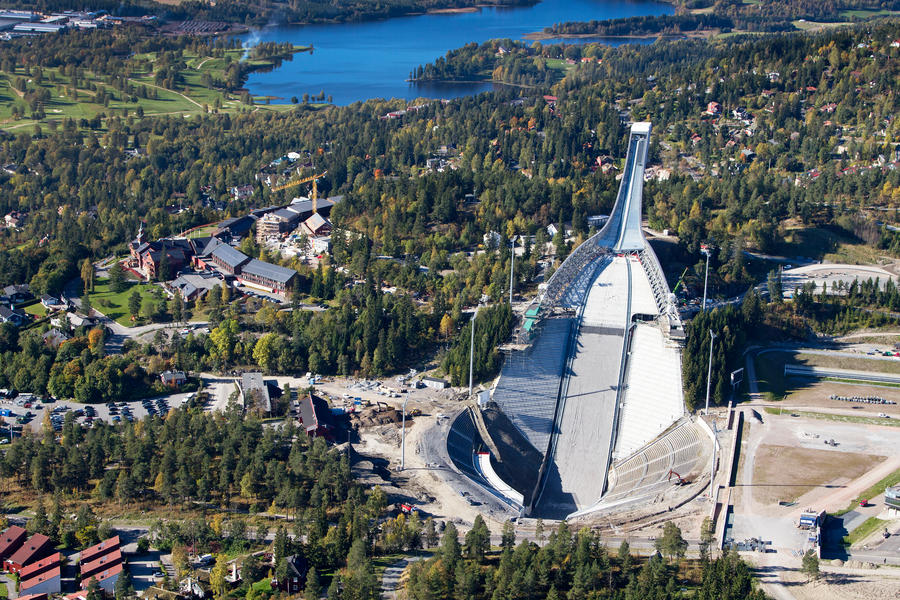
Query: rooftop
[97, 550]
[53, 573]
[230, 256]
[268, 271]
[34, 545]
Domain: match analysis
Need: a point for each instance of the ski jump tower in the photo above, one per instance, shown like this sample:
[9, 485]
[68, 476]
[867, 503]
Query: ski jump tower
[601, 382]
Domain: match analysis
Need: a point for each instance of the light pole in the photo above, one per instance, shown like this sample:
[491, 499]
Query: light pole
[712, 340]
[705, 250]
[512, 269]
[403, 436]
[472, 350]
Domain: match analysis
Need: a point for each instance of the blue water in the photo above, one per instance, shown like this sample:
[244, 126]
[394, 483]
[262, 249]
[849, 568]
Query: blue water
[358, 61]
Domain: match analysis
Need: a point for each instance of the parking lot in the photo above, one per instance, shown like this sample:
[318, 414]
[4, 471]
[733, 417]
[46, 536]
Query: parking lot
[27, 411]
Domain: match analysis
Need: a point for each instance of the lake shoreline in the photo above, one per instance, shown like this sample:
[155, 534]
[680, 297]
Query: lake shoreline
[373, 59]
[539, 36]
[473, 82]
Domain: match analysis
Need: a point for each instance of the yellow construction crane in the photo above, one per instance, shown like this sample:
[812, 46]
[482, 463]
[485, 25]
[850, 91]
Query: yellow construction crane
[296, 182]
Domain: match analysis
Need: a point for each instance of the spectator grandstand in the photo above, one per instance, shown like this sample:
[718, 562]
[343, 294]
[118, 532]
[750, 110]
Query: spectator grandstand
[680, 452]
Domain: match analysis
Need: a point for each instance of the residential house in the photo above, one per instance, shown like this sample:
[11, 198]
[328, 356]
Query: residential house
[74, 319]
[106, 579]
[100, 564]
[48, 582]
[268, 277]
[55, 338]
[297, 569]
[11, 540]
[242, 192]
[14, 294]
[53, 303]
[316, 226]
[14, 219]
[316, 417]
[97, 550]
[255, 392]
[33, 597]
[35, 548]
[14, 316]
[42, 576]
[714, 109]
[173, 378]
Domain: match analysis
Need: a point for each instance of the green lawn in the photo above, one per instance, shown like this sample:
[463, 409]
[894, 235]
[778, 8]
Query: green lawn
[191, 97]
[770, 374]
[115, 305]
[37, 309]
[865, 14]
[869, 526]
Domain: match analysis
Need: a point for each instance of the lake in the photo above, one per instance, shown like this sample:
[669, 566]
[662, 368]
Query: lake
[358, 61]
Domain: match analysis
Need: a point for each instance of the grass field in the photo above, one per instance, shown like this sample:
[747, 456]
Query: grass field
[115, 305]
[37, 309]
[878, 489]
[770, 369]
[868, 527]
[832, 417]
[770, 374]
[804, 25]
[818, 242]
[191, 97]
[784, 473]
[868, 14]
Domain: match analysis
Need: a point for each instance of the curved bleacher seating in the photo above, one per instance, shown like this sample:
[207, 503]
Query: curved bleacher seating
[645, 473]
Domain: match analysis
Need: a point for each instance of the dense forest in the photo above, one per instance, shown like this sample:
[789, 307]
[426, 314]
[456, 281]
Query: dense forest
[570, 565]
[261, 13]
[725, 16]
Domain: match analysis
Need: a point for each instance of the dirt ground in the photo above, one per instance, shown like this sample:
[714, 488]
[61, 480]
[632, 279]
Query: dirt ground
[778, 467]
[818, 395]
[881, 584]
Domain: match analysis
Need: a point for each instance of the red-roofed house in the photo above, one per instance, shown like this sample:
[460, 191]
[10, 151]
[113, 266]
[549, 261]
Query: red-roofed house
[105, 579]
[34, 597]
[11, 540]
[35, 548]
[48, 582]
[101, 564]
[38, 567]
[97, 550]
